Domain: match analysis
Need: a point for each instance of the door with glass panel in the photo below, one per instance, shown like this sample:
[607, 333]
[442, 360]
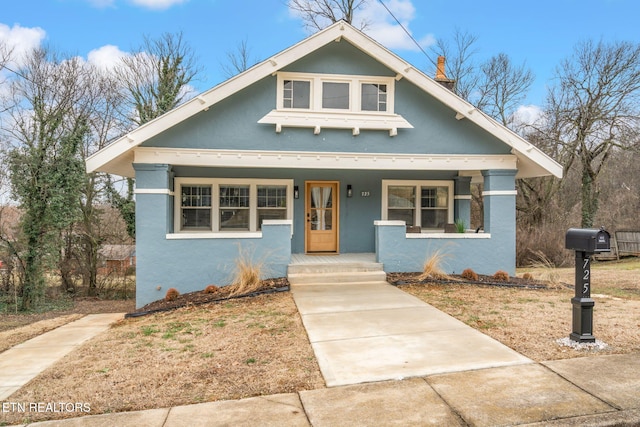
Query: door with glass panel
[321, 215]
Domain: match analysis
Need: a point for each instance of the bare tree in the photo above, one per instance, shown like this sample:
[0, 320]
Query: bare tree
[594, 110]
[318, 14]
[239, 60]
[156, 76]
[103, 125]
[156, 79]
[5, 57]
[502, 87]
[460, 64]
[535, 195]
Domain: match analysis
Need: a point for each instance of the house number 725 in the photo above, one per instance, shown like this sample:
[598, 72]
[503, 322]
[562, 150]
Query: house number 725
[586, 273]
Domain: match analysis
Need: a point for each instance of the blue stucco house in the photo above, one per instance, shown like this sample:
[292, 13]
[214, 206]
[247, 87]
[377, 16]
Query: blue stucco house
[334, 145]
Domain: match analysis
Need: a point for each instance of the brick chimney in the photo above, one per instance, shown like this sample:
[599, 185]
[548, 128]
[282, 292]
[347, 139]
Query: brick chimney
[441, 75]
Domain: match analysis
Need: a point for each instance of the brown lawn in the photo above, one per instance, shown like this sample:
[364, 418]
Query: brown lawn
[241, 348]
[257, 346]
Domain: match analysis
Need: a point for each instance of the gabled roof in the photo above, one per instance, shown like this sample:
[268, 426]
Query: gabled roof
[117, 157]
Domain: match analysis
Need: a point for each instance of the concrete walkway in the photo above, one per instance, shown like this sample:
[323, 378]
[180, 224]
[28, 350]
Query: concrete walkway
[22, 363]
[372, 331]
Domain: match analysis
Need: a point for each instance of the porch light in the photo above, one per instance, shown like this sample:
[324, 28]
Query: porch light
[296, 193]
[349, 191]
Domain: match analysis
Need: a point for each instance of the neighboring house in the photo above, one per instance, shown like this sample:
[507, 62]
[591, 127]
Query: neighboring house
[330, 146]
[116, 258]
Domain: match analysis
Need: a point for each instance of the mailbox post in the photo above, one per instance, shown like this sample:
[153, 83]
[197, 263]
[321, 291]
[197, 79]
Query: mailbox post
[585, 242]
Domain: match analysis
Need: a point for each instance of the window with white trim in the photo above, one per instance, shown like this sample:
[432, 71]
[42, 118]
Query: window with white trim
[222, 205]
[272, 203]
[296, 94]
[373, 97]
[234, 207]
[428, 204]
[335, 95]
[196, 207]
[327, 92]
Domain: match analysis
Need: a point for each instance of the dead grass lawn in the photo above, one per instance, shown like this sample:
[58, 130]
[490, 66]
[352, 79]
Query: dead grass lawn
[531, 321]
[258, 346]
[241, 348]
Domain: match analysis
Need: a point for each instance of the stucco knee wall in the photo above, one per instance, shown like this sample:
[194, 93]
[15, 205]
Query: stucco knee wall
[190, 264]
[402, 252]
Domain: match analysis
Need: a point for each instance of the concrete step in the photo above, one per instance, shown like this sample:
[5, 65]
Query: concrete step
[348, 267]
[337, 277]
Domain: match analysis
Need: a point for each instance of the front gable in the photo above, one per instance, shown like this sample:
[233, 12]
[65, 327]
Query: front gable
[339, 57]
[241, 119]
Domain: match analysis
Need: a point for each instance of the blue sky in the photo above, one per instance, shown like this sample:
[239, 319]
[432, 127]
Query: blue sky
[541, 33]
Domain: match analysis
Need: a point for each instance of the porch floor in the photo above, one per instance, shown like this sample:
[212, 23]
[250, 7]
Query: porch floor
[297, 259]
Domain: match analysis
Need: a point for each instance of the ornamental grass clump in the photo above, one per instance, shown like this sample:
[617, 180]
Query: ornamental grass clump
[172, 294]
[247, 276]
[469, 274]
[432, 267]
[501, 276]
[549, 272]
[211, 289]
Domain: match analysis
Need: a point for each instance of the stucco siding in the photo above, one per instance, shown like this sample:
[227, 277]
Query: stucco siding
[232, 123]
[399, 252]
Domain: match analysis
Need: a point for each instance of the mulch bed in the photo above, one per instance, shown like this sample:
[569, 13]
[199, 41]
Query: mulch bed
[399, 279]
[224, 293]
[281, 284]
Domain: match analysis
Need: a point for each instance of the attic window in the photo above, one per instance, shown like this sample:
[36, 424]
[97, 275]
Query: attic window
[296, 93]
[373, 97]
[335, 101]
[335, 95]
[333, 92]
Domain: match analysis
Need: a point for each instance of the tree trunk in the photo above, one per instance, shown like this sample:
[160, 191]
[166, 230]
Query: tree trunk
[33, 287]
[589, 198]
[91, 277]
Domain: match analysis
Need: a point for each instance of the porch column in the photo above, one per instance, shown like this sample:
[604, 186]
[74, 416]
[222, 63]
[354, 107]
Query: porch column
[154, 212]
[499, 198]
[462, 200]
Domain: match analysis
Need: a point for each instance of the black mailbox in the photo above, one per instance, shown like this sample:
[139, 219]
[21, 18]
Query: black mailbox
[588, 240]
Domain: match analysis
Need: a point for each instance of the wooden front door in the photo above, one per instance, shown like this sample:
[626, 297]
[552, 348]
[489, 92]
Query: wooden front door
[321, 214]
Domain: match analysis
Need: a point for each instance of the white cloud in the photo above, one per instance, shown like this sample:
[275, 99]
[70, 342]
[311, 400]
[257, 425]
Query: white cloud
[157, 4]
[427, 41]
[528, 115]
[20, 40]
[106, 57]
[383, 28]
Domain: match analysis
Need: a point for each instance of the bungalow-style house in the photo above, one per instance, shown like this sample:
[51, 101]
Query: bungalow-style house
[334, 145]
